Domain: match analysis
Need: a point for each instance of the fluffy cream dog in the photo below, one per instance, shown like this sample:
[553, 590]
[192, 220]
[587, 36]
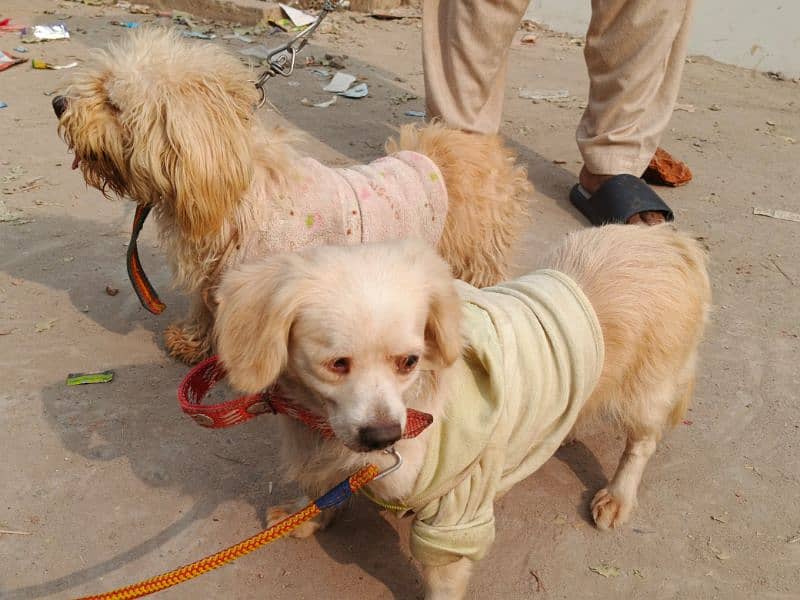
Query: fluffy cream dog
[170, 123]
[610, 326]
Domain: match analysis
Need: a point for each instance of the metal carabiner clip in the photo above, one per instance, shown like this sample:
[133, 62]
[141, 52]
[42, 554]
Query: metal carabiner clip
[281, 60]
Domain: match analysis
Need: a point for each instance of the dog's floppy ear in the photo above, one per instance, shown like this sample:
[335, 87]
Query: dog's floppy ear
[443, 339]
[194, 144]
[257, 304]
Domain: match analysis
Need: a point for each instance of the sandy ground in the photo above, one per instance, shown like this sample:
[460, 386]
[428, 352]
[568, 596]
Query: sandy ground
[113, 484]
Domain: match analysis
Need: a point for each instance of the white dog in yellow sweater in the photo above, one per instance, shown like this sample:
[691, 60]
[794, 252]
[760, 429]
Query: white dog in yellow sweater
[359, 334]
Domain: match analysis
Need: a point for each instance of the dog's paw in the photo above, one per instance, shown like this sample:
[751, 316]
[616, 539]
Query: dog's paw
[610, 510]
[186, 345]
[276, 514]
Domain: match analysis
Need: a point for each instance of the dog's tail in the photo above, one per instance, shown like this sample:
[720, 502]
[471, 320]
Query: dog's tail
[488, 195]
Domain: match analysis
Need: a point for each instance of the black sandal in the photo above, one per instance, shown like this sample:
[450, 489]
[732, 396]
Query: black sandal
[617, 200]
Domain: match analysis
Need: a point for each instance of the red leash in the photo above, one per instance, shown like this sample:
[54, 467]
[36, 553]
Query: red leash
[208, 373]
[141, 284]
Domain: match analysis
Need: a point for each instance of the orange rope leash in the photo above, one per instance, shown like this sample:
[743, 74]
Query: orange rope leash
[161, 582]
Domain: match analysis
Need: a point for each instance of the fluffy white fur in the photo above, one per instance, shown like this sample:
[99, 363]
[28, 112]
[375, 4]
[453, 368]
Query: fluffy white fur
[291, 319]
[170, 122]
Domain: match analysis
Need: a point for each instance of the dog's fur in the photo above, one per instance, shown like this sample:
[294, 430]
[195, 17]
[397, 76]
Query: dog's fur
[287, 318]
[170, 123]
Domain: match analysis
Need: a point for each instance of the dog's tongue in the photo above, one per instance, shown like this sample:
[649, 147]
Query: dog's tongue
[75, 162]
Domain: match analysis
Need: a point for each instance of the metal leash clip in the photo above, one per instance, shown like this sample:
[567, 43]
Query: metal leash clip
[397, 464]
[282, 59]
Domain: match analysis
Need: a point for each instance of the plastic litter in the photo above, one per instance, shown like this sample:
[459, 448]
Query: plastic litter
[126, 24]
[415, 113]
[44, 33]
[3, 104]
[20, 49]
[7, 61]
[360, 90]
[86, 378]
[37, 63]
[7, 27]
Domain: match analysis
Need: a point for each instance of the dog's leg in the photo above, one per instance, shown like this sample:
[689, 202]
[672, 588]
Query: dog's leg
[613, 504]
[190, 341]
[646, 418]
[276, 514]
[448, 582]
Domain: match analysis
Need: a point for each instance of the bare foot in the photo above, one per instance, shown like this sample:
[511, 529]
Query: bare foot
[591, 182]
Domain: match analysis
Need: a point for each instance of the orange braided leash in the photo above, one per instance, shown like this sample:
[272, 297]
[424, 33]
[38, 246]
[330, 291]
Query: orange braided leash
[334, 497]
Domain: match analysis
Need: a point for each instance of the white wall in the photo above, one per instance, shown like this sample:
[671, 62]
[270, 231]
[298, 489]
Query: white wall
[763, 35]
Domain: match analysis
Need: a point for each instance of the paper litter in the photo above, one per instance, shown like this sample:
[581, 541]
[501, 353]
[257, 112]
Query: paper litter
[340, 83]
[297, 17]
[783, 215]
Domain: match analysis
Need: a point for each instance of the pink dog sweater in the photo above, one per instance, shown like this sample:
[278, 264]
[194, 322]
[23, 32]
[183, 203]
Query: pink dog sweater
[395, 197]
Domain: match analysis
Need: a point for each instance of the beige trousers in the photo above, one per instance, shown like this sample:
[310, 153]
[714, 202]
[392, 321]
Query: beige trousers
[635, 51]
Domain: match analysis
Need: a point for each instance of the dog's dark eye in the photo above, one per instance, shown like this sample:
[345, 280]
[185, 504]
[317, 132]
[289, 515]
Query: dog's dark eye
[406, 364]
[340, 366]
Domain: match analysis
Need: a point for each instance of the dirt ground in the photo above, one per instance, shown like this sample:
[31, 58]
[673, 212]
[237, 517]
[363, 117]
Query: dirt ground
[111, 484]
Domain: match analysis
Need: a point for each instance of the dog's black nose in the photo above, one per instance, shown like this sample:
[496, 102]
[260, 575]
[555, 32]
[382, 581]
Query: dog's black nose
[378, 437]
[59, 105]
